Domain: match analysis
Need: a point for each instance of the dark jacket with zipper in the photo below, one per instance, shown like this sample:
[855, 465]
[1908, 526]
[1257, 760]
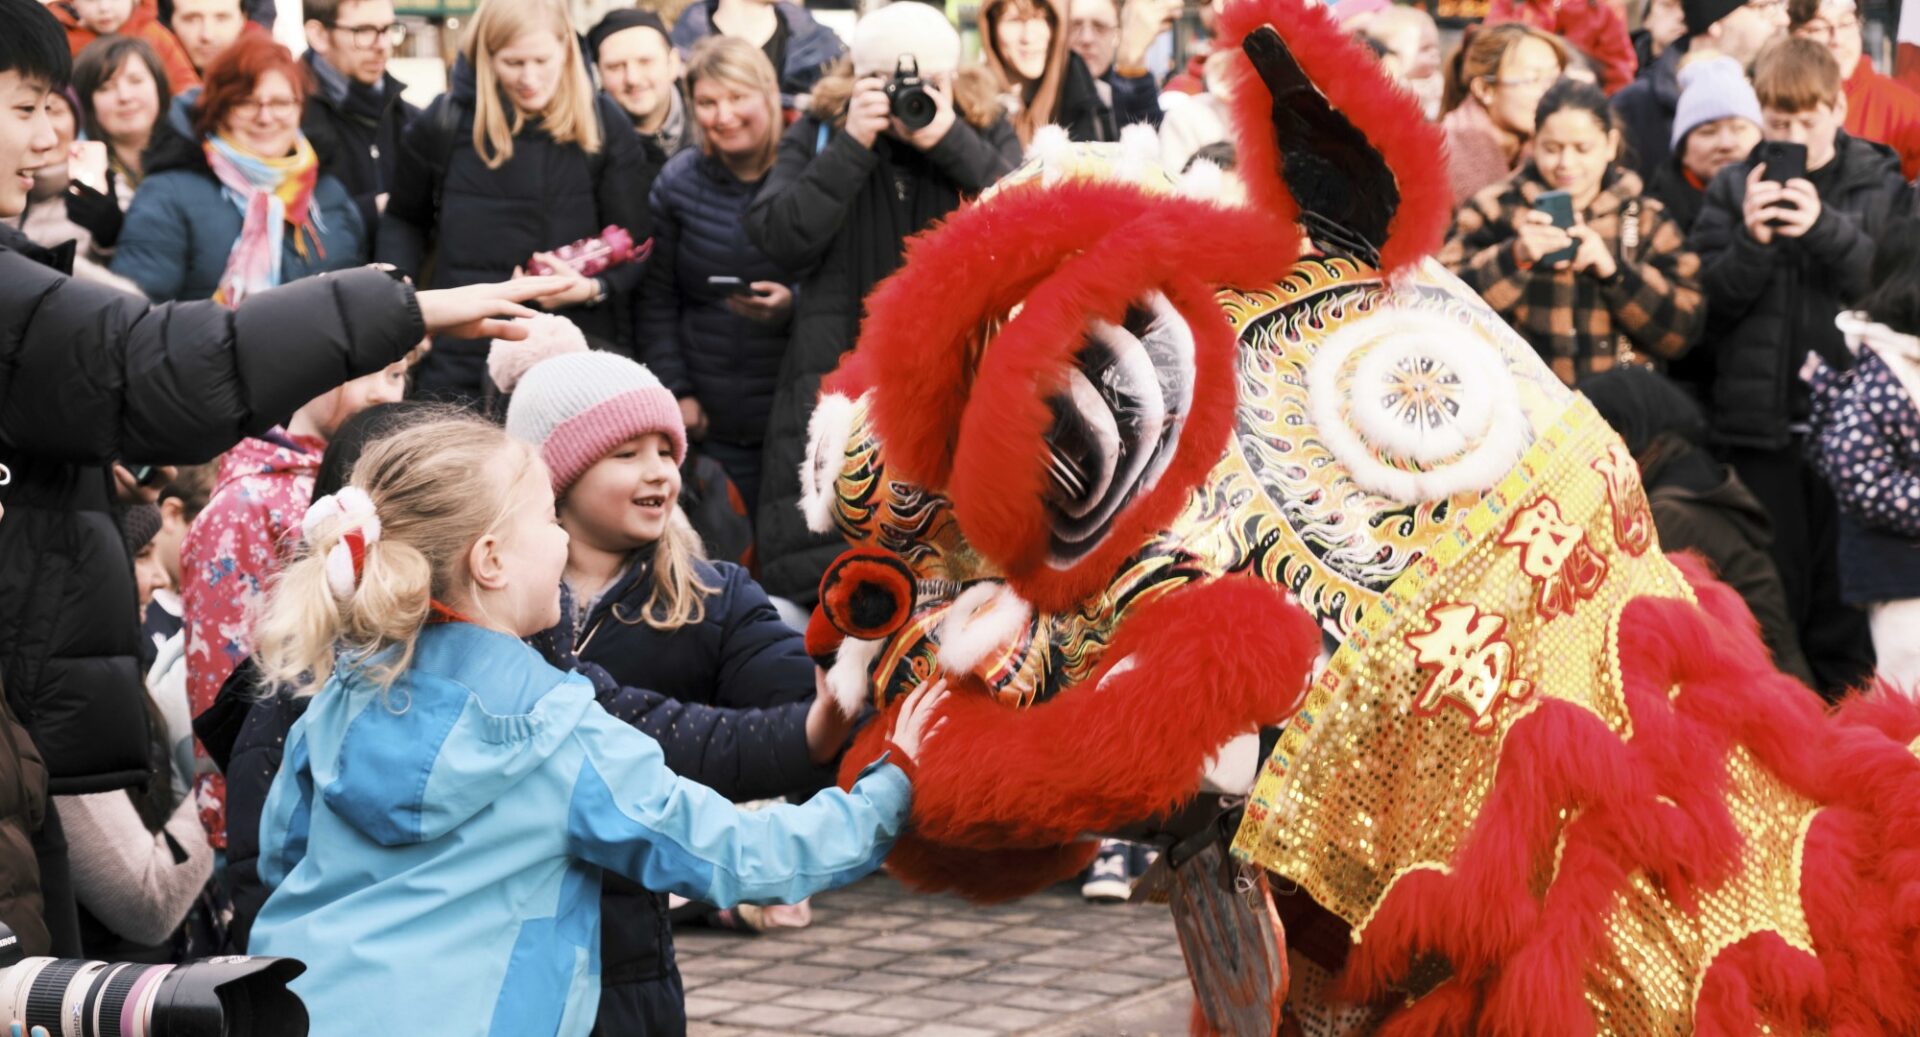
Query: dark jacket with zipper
[727, 700]
[1769, 305]
[88, 375]
[808, 218]
[356, 131]
[482, 223]
[688, 337]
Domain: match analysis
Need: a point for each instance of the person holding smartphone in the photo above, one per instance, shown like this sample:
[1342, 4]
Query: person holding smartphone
[1569, 250]
[713, 311]
[1786, 242]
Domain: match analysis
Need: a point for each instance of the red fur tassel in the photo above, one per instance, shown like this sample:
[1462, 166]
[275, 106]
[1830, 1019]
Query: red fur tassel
[1354, 83]
[1126, 745]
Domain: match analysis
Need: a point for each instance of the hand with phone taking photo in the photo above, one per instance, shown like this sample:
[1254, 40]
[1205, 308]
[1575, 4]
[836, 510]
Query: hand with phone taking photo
[768, 302]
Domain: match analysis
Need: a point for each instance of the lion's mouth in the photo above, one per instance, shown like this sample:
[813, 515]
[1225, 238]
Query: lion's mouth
[1117, 423]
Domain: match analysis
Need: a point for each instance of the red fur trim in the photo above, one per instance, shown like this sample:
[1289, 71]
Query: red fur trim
[1124, 746]
[1354, 83]
[999, 482]
[922, 357]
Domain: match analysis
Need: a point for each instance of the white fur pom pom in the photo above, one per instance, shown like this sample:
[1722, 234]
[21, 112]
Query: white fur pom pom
[849, 680]
[340, 571]
[548, 335]
[1054, 149]
[827, 433]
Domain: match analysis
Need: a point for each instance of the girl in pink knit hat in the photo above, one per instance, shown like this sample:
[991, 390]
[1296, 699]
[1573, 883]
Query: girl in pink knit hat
[686, 649]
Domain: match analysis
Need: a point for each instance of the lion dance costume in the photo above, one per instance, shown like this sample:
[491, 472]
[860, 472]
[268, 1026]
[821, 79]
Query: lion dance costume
[1121, 463]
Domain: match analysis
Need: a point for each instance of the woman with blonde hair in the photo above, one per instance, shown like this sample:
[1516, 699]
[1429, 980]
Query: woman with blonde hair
[714, 310]
[729, 690]
[449, 802]
[519, 157]
[1024, 44]
[1495, 79]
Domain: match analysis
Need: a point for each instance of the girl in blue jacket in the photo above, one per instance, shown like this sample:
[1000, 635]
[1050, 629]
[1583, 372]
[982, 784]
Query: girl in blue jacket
[435, 838]
[687, 650]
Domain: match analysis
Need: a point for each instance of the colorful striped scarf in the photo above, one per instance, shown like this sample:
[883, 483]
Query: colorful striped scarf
[270, 194]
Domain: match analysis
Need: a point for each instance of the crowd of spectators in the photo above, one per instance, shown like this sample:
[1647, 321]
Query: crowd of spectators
[1734, 284]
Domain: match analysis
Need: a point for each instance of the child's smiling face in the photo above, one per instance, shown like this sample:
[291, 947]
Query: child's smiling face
[624, 500]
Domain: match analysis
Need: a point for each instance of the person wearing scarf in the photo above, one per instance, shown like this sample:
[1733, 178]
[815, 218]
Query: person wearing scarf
[1024, 44]
[235, 203]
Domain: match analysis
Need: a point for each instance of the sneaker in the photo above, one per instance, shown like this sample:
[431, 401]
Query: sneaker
[1106, 880]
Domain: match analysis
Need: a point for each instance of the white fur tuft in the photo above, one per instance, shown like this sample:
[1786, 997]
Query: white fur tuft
[548, 335]
[985, 617]
[1054, 149]
[848, 680]
[1203, 181]
[827, 434]
[1234, 766]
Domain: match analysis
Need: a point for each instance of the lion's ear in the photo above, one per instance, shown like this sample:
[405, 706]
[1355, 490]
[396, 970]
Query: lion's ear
[1322, 131]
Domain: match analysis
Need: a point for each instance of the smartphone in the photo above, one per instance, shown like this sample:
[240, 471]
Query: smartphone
[731, 285]
[87, 164]
[1785, 161]
[1559, 206]
[147, 475]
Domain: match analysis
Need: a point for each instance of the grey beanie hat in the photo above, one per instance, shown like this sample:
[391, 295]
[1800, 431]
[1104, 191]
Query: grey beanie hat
[1710, 90]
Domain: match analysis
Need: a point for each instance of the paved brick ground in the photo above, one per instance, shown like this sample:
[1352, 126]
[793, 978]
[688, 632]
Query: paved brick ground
[881, 962]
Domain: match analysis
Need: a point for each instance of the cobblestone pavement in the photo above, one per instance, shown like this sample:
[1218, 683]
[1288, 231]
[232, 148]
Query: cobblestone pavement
[879, 961]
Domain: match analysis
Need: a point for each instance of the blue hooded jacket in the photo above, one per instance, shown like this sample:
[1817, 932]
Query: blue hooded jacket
[434, 853]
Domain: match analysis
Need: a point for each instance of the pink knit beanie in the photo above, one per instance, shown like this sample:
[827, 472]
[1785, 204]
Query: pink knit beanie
[574, 404]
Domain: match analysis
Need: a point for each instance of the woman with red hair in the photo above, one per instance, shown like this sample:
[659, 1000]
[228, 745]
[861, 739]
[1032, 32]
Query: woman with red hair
[235, 203]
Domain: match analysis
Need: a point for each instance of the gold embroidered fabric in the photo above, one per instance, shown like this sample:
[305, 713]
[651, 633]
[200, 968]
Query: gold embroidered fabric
[1385, 769]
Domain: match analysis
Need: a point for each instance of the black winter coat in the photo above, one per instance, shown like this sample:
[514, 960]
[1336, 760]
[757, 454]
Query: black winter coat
[250, 772]
[481, 223]
[809, 219]
[1646, 108]
[357, 134]
[688, 338]
[88, 375]
[1769, 305]
[727, 700]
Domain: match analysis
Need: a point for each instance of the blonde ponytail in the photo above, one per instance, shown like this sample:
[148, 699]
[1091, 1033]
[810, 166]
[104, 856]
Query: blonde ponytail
[437, 487]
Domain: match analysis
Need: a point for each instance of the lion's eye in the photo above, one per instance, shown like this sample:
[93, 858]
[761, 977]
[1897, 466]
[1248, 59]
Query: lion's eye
[1118, 422]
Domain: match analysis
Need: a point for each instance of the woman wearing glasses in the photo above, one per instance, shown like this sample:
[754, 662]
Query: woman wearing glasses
[355, 117]
[1495, 79]
[235, 203]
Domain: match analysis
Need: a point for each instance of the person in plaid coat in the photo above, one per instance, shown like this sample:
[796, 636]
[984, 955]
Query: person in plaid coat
[1631, 292]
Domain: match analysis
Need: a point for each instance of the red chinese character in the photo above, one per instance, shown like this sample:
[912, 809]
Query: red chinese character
[1554, 552]
[1627, 498]
[1470, 663]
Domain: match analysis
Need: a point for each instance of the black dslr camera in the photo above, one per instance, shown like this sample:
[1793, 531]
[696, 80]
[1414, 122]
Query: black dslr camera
[907, 95]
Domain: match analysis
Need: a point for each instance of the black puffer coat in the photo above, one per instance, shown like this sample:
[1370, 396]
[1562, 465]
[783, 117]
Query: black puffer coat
[481, 223]
[88, 375]
[688, 338]
[727, 700]
[810, 216]
[1769, 305]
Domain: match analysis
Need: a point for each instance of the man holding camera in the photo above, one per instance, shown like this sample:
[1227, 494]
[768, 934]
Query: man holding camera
[90, 375]
[1784, 251]
[878, 158]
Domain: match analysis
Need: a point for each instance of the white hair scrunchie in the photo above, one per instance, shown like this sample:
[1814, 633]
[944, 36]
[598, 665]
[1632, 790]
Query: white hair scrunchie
[348, 556]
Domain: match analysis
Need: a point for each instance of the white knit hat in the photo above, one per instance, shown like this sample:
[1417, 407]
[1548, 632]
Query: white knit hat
[574, 404]
[1711, 90]
[905, 27]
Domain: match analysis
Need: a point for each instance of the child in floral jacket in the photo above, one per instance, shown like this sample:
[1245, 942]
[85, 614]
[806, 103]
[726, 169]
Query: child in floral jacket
[1866, 444]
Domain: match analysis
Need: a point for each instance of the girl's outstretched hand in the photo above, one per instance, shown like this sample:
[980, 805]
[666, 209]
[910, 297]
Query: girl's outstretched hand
[916, 725]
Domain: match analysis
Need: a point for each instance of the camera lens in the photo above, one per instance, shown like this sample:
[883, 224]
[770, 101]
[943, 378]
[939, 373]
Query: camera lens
[914, 108]
[230, 995]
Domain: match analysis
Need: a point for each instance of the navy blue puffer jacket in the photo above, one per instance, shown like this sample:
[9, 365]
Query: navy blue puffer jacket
[691, 341]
